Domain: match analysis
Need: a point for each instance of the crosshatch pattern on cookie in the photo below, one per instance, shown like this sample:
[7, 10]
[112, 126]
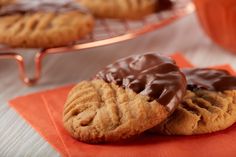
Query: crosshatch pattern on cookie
[124, 9]
[208, 106]
[97, 111]
[44, 29]
[202, 112]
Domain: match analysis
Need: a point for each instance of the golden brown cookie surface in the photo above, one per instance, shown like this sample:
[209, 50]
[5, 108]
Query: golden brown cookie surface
[124, 9]
[5, 2]
[208, 106]
[97, 111]
[43, 25]
[201, 112]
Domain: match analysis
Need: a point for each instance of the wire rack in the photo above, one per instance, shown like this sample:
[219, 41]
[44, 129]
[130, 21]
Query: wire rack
[106, 31]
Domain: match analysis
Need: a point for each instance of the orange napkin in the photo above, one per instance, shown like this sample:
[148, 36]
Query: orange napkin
[32, 109]
[43, 111]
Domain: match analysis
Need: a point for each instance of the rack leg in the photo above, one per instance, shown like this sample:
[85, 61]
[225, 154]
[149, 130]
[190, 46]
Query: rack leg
[21, 66]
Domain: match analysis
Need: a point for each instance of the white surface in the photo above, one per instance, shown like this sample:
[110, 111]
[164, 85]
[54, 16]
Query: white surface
[19, 139]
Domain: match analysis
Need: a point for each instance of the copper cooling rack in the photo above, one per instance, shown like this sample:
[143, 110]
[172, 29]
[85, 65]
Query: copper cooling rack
[107, 31]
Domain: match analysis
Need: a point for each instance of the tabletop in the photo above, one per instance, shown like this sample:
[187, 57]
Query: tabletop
[184, 36]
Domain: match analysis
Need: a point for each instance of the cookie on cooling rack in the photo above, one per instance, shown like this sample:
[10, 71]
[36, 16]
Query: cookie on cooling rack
[208, 106]
[43, 24]
[6, 2]
[125, 99]
[124, 9]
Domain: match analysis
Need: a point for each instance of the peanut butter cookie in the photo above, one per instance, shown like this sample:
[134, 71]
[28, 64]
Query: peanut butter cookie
[97, 111]
[124, 9]
[208, 106]
[5, 2]
[41, 24]
[126, 98]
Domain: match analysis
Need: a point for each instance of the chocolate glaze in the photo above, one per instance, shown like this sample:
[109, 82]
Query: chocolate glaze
[164, 5]
[150, 74]
[209, 79]
[31, 6]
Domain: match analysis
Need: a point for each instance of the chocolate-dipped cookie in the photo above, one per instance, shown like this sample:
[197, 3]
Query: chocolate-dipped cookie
[125, 99]
[208, 106]
[43, 24]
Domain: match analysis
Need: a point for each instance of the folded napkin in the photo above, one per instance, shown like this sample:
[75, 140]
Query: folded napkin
[43, 111]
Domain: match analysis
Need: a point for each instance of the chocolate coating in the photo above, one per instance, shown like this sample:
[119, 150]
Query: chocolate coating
[209, 79]
[150, 74]
[164, 4]
[31, 6]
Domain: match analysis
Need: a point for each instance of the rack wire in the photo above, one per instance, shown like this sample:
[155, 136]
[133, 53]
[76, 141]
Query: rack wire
[106, 31]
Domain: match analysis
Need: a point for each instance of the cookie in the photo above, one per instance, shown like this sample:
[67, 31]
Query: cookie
[97, 111]
[123, 9]
[141, 88]
[39, 24]
[208, 106]
[5, 2]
